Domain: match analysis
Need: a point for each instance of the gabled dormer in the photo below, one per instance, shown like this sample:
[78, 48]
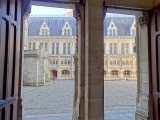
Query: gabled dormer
[66, 30]
[44, 29]
[133, 29]
[112, 29]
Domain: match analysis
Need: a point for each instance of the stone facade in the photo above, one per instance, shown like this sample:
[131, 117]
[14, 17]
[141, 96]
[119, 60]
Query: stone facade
[35, 67]
[57, 34]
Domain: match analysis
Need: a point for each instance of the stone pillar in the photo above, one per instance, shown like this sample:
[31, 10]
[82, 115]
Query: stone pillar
[130, 48]
[75, 114]
[119, 48]
[78, 110]
[26, 10]
[94, 60]
[144, 110]
[49, 48]
[58, 70]
[107, 52]
[37, 45]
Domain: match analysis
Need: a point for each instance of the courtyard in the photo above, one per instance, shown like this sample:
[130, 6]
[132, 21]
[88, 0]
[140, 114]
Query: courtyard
[56, 100]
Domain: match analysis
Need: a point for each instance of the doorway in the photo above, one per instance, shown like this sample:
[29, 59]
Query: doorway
[54, 74]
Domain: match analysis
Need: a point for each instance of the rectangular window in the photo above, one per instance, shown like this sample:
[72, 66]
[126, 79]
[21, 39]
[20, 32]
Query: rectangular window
[57, 48]
[42, 31]
[115, 48]
[110, 32]
[64, 48]
[133, 32]
[53, 48]
[127, 48]
[64, 31]
[114, 32]
[110, 48]
[34, 46]
[68, 48]
[122, 48]
[68, 31]
[46, 46]
[29, 46]
[46, 32]
[41, 44]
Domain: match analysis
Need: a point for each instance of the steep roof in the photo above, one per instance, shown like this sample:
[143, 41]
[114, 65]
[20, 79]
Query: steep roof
[56, 23]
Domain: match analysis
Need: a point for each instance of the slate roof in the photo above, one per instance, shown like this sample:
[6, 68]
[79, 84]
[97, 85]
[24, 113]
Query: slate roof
[56, 23]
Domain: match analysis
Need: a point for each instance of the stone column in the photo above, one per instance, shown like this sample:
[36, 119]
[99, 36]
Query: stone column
[26, 10]
[107, 52]
[58, 69]
[119, 48]
[94, 60]
[130, 48]
[78, 110]
[144, 110]
[49, 48]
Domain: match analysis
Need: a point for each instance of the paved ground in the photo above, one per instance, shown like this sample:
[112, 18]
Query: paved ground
[57, 98]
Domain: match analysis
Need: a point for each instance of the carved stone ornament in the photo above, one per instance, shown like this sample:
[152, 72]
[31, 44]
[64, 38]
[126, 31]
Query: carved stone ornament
[76, 14]
[26, 7]
[142, 21]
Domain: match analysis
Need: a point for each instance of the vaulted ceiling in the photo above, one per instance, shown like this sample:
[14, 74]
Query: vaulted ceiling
[129, 4]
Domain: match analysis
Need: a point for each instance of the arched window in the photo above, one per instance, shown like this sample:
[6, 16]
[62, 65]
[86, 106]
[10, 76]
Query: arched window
[62, 62]
[65, 73]
[126, 74]
[123, 62]
[53, 61]
[115, 62]
[127, 62]
[114, 74]
[111, 63]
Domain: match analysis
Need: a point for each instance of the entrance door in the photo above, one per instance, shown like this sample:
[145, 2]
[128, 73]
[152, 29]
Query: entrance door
[10, 17]
[54, 74]
[155, 61]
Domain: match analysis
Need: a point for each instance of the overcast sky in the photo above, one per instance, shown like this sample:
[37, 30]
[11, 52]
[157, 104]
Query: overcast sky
[46, 10]
[59, 11]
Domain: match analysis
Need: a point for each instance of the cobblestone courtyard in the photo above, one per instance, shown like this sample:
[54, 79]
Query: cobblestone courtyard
[57, 98]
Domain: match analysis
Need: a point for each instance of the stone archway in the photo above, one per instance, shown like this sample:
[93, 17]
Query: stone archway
[127, 74]
[114, 73]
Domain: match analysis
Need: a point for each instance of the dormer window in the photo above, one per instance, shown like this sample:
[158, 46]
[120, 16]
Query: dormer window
[44, 29]
[133, 29]
[112, 29]
[66, 30]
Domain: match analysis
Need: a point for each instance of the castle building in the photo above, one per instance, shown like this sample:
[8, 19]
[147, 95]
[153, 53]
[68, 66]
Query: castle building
[57, 35]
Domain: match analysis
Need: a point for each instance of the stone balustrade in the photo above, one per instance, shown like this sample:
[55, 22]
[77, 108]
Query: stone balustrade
[31, 53]
[74, 37]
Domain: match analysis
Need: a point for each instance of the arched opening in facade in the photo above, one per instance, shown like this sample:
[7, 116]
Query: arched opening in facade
[65, 73]
[114, 74]
[127, 74]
